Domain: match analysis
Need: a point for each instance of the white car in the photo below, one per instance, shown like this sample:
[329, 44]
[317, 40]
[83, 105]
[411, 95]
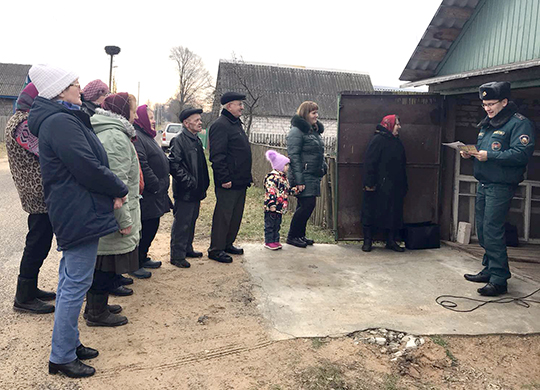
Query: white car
[171, 131]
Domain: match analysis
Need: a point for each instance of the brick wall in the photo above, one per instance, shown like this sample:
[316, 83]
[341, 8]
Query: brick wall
[282, 125]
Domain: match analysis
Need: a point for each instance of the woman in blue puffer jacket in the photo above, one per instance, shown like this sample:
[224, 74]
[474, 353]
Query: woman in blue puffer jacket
[80, 193]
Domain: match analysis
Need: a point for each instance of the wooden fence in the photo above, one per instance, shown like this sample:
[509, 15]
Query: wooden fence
[323, 215]
[3, 122]
[280, 140]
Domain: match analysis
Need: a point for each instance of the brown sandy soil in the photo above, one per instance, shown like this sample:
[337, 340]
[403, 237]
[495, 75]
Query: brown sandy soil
[199, 328]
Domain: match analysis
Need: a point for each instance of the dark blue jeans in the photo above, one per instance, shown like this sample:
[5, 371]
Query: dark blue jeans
[272, 224]
[492, 205]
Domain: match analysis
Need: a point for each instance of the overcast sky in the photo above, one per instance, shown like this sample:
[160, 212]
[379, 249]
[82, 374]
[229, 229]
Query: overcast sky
[377, 37]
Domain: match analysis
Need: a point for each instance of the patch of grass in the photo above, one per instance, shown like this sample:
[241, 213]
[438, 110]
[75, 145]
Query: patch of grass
[531, 386]
[317, 342]
[439, 340]
[390, 382]
[324, 377]
[252, 228]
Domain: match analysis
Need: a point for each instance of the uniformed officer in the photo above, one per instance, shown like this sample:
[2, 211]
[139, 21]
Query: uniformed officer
[505, 145]
[230, 155]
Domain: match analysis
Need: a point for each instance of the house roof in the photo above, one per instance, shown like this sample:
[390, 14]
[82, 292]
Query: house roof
[12, 78]
[283, 88]
[443, 30]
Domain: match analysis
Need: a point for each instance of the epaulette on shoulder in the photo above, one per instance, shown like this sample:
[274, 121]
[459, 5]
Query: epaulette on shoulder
[519, 116]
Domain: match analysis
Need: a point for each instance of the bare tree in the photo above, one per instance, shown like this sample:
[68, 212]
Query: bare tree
[253, 93]
[194, 81]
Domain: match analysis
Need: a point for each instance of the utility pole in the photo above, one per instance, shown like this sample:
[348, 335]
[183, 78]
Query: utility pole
[112, 51]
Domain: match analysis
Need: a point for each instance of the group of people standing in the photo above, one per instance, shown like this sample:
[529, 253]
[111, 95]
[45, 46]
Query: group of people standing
[89, 171]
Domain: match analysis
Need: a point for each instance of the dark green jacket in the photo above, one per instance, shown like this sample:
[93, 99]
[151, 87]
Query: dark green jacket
[509, 140]
[305, 148]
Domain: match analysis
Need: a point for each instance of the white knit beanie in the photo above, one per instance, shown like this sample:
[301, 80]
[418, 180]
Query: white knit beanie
[50, 80]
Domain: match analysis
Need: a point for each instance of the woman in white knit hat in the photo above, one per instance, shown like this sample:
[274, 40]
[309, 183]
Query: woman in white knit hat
[80, 193]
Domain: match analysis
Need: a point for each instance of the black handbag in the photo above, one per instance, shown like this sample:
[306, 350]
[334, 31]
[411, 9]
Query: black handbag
[423, 235]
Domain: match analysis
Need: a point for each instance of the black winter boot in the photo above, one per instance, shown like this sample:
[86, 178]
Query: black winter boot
[25, 298]
[391, 242]
[368, 239]
[98, 312]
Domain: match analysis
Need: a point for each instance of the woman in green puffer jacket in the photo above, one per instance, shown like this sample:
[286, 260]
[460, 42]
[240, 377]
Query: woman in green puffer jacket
[305, 148]
[118, 251]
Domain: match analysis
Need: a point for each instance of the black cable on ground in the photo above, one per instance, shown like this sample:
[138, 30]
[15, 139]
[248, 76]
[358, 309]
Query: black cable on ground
[451, 305]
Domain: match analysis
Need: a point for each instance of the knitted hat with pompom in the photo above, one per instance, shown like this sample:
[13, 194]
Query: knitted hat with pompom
[277, 160]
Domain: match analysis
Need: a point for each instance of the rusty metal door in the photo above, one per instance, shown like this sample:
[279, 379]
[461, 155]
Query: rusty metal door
[359, 114]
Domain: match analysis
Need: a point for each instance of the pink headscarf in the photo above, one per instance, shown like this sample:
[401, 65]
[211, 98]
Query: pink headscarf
[144, 122]
[389, 122]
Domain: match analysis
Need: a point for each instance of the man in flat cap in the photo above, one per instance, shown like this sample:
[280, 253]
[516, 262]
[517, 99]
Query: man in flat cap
[505, 145]
[190, 182]
[230, 155]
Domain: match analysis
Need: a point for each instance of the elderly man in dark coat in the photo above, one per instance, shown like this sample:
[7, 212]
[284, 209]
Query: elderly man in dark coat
[230, 155]
[385, 184]
[190, 182]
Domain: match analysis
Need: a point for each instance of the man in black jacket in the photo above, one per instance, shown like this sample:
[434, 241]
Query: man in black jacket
[190, 182]
[230, 155]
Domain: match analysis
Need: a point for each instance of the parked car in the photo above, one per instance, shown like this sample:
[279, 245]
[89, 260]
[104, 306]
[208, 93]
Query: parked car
[171, 131]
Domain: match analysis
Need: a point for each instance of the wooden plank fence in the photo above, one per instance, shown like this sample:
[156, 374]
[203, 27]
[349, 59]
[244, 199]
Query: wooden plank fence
[280, 140]
[3, 122]
[323, 215]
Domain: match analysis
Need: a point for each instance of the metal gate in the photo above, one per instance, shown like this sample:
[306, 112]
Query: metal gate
[359, 114]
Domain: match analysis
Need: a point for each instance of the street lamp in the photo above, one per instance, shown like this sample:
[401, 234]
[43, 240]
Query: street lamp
[112, 51]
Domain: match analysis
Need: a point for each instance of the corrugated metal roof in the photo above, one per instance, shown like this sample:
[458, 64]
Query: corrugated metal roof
[12, 78]
[283, 88]
[441, 33]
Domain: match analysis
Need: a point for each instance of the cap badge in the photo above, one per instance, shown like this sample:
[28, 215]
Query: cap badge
[484, 93]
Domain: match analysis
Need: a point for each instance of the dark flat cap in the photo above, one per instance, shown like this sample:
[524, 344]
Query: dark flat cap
[496, 90]
[187, 112]
[230, 96]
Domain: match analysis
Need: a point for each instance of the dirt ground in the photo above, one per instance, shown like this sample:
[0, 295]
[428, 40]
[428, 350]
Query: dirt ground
[200, 328]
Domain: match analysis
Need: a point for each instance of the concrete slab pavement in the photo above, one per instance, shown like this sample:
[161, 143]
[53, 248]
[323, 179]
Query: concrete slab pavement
[330, 290]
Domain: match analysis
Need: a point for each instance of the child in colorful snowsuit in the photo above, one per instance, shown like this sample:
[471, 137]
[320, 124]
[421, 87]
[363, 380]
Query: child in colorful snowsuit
[277, 190]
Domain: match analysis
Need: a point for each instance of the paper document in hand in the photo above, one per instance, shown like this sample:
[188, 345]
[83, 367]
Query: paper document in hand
[458, 145]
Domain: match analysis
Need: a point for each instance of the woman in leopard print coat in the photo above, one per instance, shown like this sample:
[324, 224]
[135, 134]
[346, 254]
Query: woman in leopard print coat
[23, 156]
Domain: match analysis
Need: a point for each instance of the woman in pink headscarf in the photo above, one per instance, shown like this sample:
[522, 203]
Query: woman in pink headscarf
[155, 199]
[385, 184]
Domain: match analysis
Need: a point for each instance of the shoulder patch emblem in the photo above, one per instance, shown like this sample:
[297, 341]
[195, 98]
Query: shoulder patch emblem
[519, 116]
[524, 139]
[496, 146]
[499, 132]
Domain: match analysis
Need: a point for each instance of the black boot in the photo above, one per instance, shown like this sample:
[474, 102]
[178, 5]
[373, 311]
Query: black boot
[25, 298]
[45, 295]
[115, 309]
[368, 239]
[391, 242]
[74, 369]
[98, 312]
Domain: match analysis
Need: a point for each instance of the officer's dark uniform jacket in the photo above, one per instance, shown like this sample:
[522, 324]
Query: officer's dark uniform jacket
[230, 152]
[509, 140]
[188, 167]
